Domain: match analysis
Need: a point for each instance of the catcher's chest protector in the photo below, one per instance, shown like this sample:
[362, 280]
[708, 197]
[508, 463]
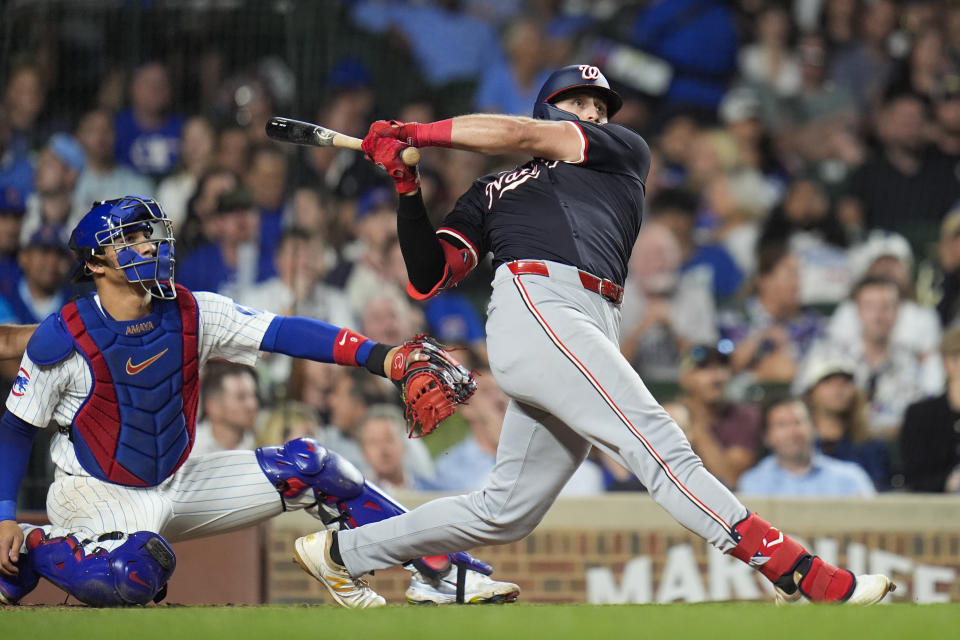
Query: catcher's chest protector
[137, 425]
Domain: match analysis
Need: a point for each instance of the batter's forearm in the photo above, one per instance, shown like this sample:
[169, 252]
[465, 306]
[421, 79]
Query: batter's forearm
[422, 253]
[498, 134]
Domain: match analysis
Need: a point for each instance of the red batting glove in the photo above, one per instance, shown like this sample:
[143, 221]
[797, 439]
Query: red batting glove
[385, 153]
[432, 134]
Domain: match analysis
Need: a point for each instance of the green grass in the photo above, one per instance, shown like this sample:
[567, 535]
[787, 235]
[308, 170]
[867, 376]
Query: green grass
[703, 621]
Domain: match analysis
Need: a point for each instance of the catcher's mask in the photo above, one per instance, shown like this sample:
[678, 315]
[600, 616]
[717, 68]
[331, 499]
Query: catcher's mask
[113, 223]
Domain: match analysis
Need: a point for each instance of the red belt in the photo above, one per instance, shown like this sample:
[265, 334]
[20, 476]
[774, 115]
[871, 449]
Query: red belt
[606, 288]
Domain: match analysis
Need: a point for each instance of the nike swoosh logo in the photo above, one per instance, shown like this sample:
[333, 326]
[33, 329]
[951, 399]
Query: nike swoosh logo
[134, 369]
[135, 578]
[343, 340]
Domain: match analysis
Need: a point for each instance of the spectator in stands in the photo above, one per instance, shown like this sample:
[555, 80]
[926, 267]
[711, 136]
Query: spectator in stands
[12, 211]
[664, 310]
[389, 318]
[102, 177]
[737, 202]
[16, 172]
[676, 209]
[24, 101]
[891, 375]
[447, 44]
[374, 227]
[770, 331]
[45, 262]
[795, 467]
[228, 393]
[382, 436]
[924, 66]
[806, 223]
[349, 402]
[512, 88]
[948, 265]
[839, 414]
[287, 421]
[59, 167]
[888, 255]
[930, 438]
[148, 133]
[198, 227]
[299, 288]
[865, 67]
[946, 114]
[699, 39]
[266, 181]
[769, 61]
[725, 434]
[233, 150]
[906, 175]
[311, 385]
[196, 158]
[818, 100]
[231, 260]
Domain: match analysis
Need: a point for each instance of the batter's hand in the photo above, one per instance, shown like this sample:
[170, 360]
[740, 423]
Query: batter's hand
[11, 537]
[385, 153]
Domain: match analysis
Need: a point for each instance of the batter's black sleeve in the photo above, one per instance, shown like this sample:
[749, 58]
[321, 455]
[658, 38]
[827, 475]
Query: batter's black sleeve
[421, 249]
[614, 148]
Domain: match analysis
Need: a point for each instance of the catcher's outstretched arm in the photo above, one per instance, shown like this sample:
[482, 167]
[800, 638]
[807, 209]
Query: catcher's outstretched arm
[315, 340]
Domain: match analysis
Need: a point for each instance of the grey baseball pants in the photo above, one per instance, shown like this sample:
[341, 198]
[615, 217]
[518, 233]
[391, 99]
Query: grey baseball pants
[553, 349]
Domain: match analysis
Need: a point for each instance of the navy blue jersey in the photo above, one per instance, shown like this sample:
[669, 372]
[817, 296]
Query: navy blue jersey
[586, 214]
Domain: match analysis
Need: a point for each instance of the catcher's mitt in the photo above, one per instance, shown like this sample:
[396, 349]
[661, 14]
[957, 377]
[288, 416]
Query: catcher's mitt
[431, 389]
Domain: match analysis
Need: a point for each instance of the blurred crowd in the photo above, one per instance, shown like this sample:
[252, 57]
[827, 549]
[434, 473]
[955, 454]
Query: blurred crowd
[793, 298]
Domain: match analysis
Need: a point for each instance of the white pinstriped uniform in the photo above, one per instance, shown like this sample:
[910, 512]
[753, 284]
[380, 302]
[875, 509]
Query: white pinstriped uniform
[209, 494]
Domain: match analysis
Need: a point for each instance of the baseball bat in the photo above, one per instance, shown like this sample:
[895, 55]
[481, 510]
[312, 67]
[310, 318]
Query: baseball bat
[313, 135]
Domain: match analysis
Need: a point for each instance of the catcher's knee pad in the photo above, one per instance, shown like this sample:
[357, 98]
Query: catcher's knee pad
[134, 573]
[303, 464]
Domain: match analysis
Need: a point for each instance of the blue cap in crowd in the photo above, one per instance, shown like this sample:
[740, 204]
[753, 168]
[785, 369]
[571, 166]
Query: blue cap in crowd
[48, 237]
[68, 150]
[12, 201]
[349, 73]
[374, 199]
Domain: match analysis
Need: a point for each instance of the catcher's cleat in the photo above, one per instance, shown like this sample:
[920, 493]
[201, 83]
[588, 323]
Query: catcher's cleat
[312, 553]
[478, 589]
[14, 588]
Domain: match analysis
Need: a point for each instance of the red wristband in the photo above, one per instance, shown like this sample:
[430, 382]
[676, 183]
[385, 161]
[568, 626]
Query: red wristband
[434, 134]
[346, 345]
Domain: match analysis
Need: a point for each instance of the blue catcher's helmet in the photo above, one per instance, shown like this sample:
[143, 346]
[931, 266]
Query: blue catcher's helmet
[575, 76]
[109, 223]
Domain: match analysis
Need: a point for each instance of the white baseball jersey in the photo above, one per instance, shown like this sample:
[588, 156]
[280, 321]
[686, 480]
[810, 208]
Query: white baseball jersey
[55, 393]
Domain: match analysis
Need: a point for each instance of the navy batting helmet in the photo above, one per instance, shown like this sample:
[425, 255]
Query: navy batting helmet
[573, 77]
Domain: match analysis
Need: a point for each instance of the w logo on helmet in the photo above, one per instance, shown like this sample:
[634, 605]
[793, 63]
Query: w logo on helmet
[589, 72]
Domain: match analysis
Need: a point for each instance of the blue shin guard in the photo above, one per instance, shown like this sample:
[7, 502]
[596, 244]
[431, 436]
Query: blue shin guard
[134, 573]
[343, 494]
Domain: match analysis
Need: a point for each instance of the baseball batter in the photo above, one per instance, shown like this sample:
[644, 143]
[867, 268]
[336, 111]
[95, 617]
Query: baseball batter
[561, 228]
[118, 372]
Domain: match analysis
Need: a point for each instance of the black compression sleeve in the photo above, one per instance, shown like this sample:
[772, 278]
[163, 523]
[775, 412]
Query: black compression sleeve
[422, 252]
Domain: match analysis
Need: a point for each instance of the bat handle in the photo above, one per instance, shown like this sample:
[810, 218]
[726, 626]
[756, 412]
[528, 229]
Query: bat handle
[410, 156]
